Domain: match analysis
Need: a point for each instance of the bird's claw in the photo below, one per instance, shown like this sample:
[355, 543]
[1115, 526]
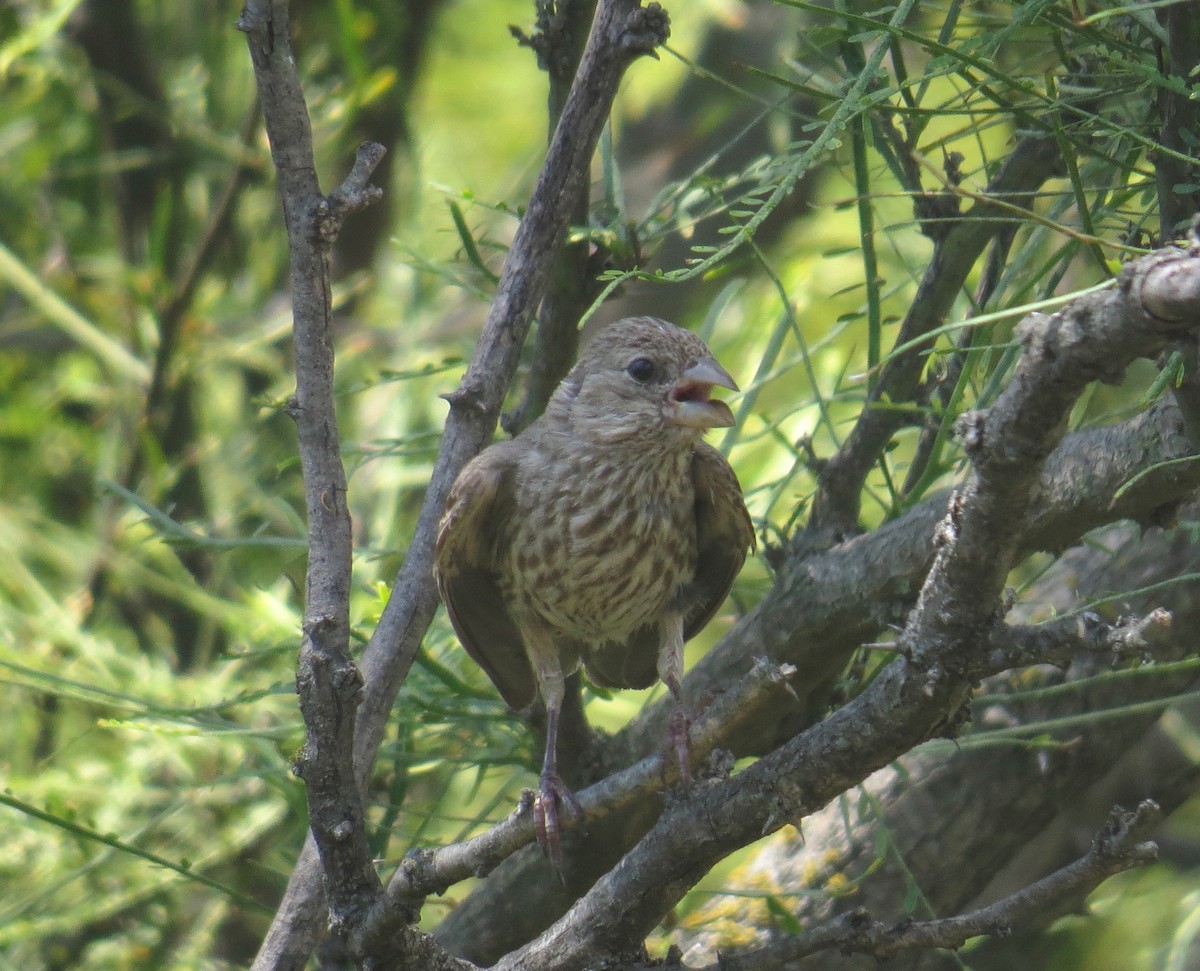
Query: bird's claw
[553, 795]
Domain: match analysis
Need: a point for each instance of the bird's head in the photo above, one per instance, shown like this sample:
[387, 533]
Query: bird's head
[643, 380]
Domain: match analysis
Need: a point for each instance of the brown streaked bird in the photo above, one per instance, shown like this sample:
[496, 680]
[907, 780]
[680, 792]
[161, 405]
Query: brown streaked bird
[607, 534]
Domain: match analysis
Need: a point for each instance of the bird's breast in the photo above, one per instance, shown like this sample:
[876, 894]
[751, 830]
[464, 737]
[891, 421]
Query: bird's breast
[600, 547]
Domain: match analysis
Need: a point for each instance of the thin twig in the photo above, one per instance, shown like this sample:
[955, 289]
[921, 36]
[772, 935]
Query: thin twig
[959, 243]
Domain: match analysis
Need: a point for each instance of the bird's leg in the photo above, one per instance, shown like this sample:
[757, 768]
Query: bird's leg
[553, 794]
[670, 671]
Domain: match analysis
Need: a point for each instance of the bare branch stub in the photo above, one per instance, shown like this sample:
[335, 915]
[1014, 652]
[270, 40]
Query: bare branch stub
[354, 194]
[1061, 641]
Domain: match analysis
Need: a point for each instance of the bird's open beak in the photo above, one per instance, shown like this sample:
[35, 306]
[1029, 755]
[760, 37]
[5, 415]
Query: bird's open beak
[690, 403]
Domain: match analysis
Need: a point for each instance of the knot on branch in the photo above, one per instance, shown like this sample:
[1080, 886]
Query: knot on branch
[1047, 337]
[1121, 839]
[355, 193]
[551, 40]
[946, 533]
[786, 809]
[326, 668]
[420, 873]
[1139, 636]
[644, 29]
[1169, 289]
[639, 32]
[467, 397]
[720, 765]
[970, 428]
[258, 22]
[938, 212]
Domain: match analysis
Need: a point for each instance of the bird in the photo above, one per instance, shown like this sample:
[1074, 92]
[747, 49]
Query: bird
[604, 535]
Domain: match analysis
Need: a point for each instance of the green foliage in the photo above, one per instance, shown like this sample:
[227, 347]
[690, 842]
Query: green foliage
[151, 524]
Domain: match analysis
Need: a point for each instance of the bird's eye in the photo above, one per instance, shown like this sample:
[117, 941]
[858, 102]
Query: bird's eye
[641, 369]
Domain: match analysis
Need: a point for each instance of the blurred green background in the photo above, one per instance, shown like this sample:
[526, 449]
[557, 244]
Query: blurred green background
[151, 532]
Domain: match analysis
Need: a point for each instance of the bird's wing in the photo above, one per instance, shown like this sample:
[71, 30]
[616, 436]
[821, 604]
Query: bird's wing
[467, 573]
[724, 533]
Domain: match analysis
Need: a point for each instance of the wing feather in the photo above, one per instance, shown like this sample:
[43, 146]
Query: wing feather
[724, 534]
[466, 567]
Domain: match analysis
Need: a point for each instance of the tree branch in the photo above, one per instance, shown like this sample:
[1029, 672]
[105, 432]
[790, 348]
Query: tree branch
[327, 680]
[559, 43]
[1062, 641]
[434, 871]
[1048, 753]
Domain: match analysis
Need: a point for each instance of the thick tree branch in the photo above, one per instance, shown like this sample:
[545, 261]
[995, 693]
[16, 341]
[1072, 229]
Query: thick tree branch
[1093, 339]
[1049, 752]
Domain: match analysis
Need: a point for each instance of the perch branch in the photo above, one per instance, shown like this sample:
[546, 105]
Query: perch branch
[433, 871]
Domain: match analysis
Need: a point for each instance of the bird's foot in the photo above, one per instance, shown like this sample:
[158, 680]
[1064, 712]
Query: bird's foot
[678, 728]
[553, 796]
